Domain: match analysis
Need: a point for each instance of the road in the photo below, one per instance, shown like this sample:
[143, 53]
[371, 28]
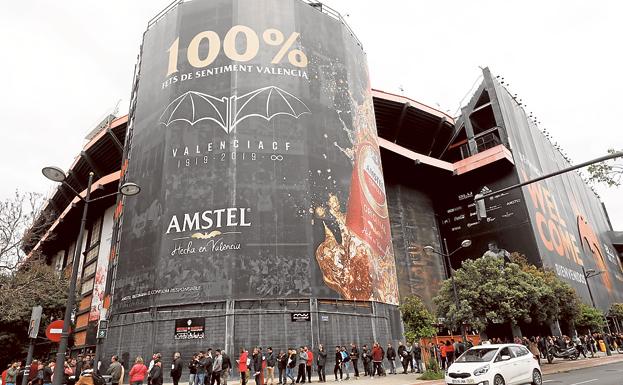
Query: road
[611, 374]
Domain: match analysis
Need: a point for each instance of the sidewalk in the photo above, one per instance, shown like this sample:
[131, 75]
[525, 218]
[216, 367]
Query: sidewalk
[558, 366]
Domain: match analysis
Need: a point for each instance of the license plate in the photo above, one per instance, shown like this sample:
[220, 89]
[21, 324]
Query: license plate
[462, 381]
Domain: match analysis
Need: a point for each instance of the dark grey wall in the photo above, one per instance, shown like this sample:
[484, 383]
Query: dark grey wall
[252, 323]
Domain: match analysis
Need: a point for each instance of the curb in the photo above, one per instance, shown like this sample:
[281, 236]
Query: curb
[549, 369]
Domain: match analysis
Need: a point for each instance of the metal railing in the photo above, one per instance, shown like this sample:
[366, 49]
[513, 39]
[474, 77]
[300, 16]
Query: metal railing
[320, 7]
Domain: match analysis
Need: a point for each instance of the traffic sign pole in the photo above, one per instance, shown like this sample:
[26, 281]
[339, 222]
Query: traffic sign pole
[31, 351]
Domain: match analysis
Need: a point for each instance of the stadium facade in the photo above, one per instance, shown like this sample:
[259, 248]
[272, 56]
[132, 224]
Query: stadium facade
[284, 202]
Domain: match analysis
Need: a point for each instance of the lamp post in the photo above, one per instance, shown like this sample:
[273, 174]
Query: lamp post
[57, 175]
[590, 273]
[466, 243]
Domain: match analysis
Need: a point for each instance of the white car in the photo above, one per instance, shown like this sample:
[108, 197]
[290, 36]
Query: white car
[503, 364]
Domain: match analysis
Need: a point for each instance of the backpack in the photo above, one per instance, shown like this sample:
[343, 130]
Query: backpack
[97, 379]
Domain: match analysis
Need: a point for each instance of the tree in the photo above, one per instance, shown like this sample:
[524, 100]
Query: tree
[418, 321]
[491, 291]
[609, 172]
[31, 285]
[22, 224]
[590, 319]
[566, 303]
[616, 310]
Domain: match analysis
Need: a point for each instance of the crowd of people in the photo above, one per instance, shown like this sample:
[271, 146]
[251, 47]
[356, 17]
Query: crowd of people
[268, 367]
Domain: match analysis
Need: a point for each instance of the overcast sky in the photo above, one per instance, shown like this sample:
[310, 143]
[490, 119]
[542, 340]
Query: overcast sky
[65, 63]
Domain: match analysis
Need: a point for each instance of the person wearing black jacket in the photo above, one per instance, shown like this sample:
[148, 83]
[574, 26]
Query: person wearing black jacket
[226, 365]
[321, 361]
[354, 358]
[391, 357]
[209, 364]
[155, 374]
[192, 369]
[48, 371]
[417, 358]
[256, 366]
[291, 364]
[176, 368]
[365, 357]
[271, 361]
[401, 356]
[338, 363]
[282, 362]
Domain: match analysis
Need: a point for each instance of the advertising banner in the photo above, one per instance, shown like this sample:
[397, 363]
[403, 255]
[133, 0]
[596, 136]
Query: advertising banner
[254, 142]
[567, 218]
[189, 328]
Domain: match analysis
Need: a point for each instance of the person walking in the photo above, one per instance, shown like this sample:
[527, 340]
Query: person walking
[155, 374]
[217, 368]
[291, 365]
[242, 366]
[192, 370]
[354, 358]
[302, 362]
[391, 357]
[377, 359]
[176, 368]
[114, 370]
[271, 361]
[534, 349]
[338, 363]
[282, 364]
[310, 362]
[321, 361]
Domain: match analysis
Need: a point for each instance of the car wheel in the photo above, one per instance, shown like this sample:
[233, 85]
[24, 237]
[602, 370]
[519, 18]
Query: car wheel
[498, 380]
[536, 378]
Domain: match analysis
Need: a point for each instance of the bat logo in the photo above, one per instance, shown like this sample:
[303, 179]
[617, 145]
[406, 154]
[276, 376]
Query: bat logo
[212, 234]
[266, 103]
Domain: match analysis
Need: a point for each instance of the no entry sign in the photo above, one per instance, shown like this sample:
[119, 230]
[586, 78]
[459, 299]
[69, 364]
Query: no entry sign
[54, 331]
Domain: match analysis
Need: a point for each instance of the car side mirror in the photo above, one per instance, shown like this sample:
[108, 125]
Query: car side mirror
[506, 358]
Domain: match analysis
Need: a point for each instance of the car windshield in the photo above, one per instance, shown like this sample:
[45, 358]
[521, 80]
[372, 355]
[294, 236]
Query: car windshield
[478, 355]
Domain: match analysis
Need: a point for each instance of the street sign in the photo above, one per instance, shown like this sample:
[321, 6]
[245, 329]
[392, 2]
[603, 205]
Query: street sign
[35, 321]
[54, 331]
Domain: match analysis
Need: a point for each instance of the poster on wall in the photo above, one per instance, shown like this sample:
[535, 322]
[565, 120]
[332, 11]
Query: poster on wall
[254, 142]
[189, 328]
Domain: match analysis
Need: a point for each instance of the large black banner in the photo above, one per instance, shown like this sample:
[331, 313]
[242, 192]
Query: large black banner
[567, 218]
[254, 142]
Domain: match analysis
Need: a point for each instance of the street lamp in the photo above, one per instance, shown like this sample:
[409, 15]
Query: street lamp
[466, 243]
[56, 174]
[590, 273]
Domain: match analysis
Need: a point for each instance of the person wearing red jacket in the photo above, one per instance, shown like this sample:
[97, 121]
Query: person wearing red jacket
[242, 366]
[138, 372]
[377, 359]
[310, 361]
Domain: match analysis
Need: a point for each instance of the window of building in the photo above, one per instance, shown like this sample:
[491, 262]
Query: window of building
[87, 286]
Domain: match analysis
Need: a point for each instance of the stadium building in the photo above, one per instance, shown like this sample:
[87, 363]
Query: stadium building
[284, 202]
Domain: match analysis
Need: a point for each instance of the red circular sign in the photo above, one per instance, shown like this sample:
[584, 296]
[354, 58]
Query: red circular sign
[54, 331]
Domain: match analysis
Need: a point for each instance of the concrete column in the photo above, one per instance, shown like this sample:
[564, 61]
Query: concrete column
[230, 306]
